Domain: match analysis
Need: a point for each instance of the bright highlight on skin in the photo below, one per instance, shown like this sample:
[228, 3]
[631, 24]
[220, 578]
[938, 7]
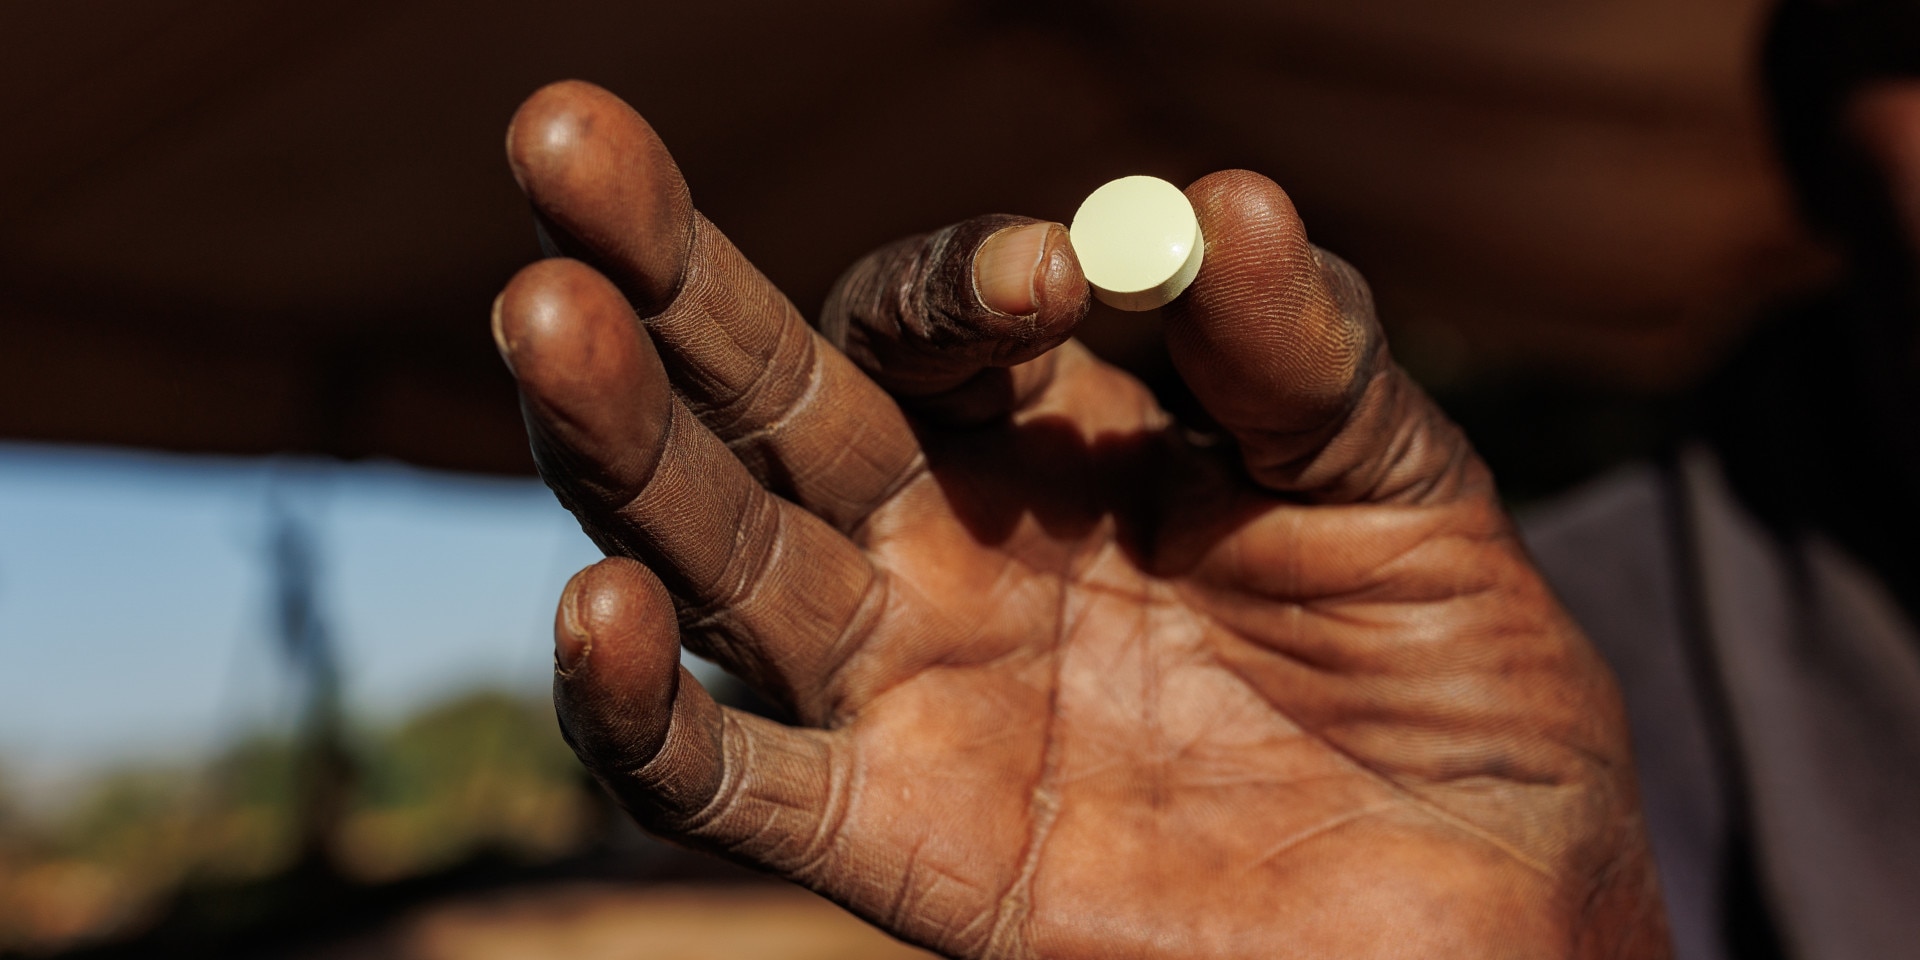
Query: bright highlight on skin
[1138, 241]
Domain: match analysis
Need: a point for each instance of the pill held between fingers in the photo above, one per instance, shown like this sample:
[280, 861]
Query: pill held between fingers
[1138, 242]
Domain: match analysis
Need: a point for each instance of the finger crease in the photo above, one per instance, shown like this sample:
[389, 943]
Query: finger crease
[726, 417]
[669, 434]
[771, 424]
[854, 634]
[832, 820]
[909, 474]
[736, 757]
[757, 544]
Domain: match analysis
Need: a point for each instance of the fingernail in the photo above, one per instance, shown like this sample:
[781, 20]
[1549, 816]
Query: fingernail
[1004, 268]
[571, 643]
[499, 335]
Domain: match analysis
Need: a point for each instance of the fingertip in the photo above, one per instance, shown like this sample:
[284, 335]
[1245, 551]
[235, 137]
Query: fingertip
[617, 661]
[617, 615]
[1252, 232]
[1010, 266]
[560, 313]
[1240, 201]
[1063, 296]
[1251, 229]
[1005, 267]
[527, 313]
[1260, 337]
[597, 171]
[1029, 271]
[593, 383]
[547, 127]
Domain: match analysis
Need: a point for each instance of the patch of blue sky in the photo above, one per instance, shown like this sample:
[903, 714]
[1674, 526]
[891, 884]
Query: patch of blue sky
[135, 610]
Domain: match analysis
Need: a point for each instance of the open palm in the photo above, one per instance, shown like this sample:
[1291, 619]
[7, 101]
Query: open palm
[1077, 680]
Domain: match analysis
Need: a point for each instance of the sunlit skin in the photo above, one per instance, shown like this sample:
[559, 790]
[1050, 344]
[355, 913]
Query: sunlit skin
[1072, 680]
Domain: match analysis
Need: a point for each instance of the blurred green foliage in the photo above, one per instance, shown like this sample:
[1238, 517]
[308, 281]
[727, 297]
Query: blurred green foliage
[483, 772]
[487, 769]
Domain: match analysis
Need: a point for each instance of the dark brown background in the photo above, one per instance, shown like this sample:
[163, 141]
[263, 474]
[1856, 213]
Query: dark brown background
[260, 225]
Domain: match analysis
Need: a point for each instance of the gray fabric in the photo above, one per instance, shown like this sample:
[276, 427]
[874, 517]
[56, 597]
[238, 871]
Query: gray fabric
[1610, 552]
[1822, 674]
[1741, 655]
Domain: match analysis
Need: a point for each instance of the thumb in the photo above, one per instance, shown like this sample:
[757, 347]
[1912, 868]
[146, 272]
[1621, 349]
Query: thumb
[1278, 341]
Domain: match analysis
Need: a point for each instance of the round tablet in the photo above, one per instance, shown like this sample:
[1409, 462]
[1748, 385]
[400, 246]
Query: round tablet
[1138, 242]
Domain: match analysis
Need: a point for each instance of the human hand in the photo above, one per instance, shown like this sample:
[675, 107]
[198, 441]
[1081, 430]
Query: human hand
[1073, 681]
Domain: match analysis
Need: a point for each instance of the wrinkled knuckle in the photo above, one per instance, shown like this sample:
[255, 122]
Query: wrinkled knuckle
[836, 321]
[758, 540]
[936, 293]
[770, 395]
[866, 302]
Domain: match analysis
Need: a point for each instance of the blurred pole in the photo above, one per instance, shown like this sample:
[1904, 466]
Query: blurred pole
[323, 769]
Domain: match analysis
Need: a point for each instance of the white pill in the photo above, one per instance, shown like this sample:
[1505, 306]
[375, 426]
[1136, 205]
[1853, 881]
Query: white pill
[1138, 242]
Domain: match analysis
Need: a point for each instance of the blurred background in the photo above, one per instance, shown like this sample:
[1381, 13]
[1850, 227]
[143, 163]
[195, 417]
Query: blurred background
[276, 580]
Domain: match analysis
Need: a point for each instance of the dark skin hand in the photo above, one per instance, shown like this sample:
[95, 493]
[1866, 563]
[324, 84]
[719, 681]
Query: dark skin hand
[1071, 680]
